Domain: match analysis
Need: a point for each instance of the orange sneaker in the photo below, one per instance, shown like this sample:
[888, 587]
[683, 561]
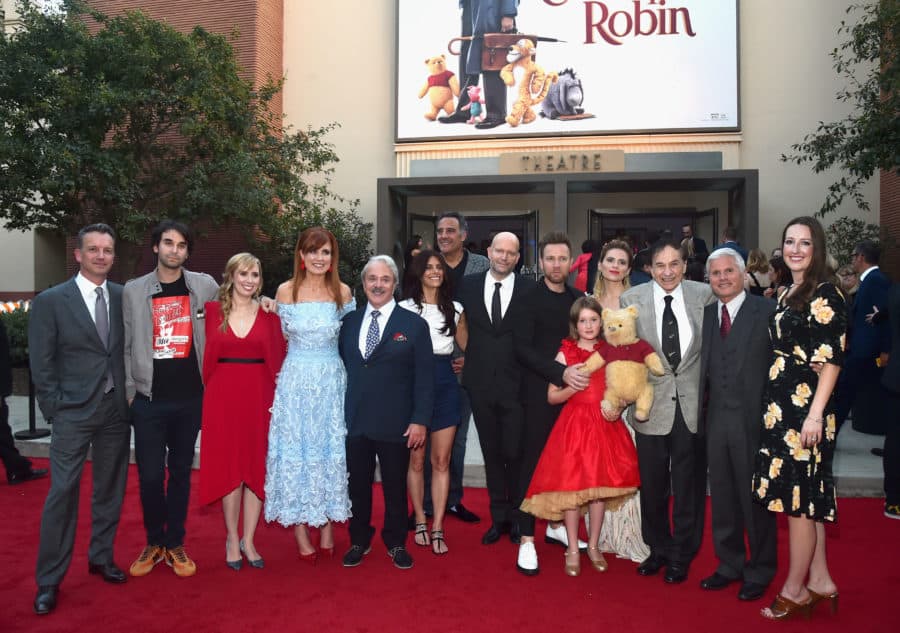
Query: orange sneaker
[178, 560]
[148, 559]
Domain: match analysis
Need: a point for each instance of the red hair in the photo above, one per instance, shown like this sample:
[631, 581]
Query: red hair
[312, 239]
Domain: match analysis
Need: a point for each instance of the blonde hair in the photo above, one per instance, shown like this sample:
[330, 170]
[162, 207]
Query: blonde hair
[599, 283]
[241, 261]
[757, 262]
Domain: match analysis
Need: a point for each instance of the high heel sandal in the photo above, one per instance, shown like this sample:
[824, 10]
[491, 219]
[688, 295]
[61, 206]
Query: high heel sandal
[438, 545]
[783, 609]
[422, 529]
[599, 563]
[310, 558]
[327, 551]
[815, 598]
[257, 563]
[234, 565]
[573, 569]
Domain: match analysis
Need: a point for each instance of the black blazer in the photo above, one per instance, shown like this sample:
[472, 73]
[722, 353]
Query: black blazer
[891, 376]
[491, 367]
[68, 361]
[395, 386]
[749, 348]
[5, 364]
[867, 340]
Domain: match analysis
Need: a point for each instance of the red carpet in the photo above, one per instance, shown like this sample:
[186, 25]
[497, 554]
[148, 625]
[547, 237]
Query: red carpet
[474, 588]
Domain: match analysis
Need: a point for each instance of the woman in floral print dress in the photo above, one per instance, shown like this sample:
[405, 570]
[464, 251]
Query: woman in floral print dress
[793, 471]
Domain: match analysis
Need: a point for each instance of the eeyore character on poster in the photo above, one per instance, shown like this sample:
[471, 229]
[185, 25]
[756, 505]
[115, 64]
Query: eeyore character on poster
[565, 97]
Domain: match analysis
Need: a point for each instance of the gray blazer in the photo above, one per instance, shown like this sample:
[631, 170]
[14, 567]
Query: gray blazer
[68, 360]
[685, 384]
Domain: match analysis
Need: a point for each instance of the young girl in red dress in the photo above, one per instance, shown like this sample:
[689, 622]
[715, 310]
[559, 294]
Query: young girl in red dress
[589, 463]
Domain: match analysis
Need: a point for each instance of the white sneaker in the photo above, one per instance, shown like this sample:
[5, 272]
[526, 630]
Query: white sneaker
[527, 563]
[558, 536]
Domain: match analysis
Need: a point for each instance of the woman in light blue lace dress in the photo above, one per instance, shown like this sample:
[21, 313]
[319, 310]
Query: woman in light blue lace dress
[306, 467]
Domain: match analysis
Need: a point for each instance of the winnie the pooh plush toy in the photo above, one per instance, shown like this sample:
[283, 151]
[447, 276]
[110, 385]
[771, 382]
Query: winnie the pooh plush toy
[627, 360]
[441, 86]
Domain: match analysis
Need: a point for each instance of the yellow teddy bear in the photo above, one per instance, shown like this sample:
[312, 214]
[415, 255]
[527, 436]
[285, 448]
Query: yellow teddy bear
[441, 86]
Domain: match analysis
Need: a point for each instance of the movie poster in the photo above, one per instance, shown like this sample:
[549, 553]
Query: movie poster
[579, 67]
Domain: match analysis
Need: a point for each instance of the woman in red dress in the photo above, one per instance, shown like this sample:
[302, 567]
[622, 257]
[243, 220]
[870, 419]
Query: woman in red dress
[589, 463]
[244, 351]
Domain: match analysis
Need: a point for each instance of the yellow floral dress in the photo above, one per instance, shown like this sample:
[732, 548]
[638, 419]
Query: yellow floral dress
[788, 477]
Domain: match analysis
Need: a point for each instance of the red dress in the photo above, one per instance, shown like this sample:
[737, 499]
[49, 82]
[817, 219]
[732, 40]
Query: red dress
[236, 403]
[586, 456]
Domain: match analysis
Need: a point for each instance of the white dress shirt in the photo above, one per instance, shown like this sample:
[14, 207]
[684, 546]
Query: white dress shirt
[441, 344]
[866, 272]
[88, 288]
[733, 306]
[506, 290]
[384, 313]
[685, 333]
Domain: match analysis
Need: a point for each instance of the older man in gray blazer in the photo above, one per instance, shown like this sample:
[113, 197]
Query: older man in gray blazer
[75, 340]
[670, 452]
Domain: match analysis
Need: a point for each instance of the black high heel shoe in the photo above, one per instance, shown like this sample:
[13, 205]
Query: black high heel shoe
[234, 565]
[257, 563]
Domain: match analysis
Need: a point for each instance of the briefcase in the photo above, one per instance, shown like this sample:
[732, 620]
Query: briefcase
[495, 48]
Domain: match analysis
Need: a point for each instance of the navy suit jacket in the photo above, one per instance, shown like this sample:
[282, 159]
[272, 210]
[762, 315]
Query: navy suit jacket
[891, 376]
[867, 341]
[395, 386]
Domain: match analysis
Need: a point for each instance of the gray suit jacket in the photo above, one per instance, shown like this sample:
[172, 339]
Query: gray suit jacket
[68, 360]
[685, 384]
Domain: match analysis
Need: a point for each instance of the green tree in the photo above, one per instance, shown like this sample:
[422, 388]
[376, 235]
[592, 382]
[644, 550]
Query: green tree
[125, 120]
[845, 233]
[868, 139]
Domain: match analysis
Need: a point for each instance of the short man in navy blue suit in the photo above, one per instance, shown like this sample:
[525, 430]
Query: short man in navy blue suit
[867, 341]
[390, 396]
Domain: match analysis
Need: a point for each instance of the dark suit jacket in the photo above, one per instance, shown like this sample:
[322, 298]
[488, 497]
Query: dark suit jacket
[68, 361]
[749, 350]
[491, 365]
[395, 386]
[891, 376]
[868, 341]
[5, 364]
[700, 249]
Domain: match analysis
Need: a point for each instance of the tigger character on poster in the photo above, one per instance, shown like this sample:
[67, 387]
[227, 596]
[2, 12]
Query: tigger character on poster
[534, 85]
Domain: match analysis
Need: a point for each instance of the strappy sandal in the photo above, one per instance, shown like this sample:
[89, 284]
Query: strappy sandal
[422, 530]
[783, 608]
[438, 545]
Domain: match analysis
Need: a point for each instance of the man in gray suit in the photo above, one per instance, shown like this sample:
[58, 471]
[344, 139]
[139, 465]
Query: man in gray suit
[737, 352]
[75, 339]
[670, 453]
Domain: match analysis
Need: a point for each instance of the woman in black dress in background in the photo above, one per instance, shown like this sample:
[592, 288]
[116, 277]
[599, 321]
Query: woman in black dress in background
[793, 472]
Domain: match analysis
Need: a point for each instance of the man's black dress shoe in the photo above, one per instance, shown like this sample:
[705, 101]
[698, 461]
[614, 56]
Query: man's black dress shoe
[463, 514]
[456, 117]
[751, 591]
[489, 124]
[354, 555]
[716, 581]
[675, 573]
[26, 475]
[45, 600]
[108, 571]
[492, 535]
[515, 534]
[651, 566]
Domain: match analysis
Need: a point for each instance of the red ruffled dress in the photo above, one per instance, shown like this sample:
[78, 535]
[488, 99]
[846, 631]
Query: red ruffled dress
[586, 456]
[239, 386]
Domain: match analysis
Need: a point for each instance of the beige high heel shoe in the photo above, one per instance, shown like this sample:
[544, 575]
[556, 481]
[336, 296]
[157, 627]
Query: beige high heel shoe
[573, 563]
[597, 559]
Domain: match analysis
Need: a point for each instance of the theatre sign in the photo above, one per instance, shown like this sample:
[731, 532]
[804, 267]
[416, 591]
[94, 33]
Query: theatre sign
[578, 67]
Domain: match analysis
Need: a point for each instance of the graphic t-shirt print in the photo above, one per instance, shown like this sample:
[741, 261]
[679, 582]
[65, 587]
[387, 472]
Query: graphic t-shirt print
[172, 330]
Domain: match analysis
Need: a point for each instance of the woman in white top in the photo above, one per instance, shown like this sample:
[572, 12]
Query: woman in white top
[430, 295]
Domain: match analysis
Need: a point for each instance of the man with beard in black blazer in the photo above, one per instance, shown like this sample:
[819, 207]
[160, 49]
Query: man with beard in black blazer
[493, 301]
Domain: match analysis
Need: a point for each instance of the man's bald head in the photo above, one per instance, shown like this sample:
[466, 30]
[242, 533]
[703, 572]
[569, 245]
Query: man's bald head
[504, 254]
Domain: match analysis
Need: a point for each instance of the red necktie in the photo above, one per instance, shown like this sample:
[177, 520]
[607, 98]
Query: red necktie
[725, 326]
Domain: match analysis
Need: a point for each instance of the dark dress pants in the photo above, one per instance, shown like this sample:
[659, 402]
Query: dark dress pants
[165, 434]
[731, 459]
[539, 420]
[107, 435]
[500, 427]
[12, 460]
[891, 457]
[393, 461]
[672, 465]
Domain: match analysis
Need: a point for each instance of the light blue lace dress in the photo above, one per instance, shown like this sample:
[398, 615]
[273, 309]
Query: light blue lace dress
[306, 467]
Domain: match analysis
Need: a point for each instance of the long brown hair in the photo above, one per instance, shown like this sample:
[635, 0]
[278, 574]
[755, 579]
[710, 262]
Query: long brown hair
[241, 261]
[622, 245]
[444, 293]
[312, 239]
[583, 303]
[818, 266]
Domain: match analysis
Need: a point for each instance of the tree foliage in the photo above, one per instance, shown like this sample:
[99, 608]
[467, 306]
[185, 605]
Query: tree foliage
[868, 139]
[845, 233]
[124, 120]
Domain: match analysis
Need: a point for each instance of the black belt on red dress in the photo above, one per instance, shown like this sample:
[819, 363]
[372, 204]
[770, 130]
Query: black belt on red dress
[246, 361]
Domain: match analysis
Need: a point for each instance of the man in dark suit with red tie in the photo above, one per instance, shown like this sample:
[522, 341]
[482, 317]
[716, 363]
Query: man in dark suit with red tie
[390, 395]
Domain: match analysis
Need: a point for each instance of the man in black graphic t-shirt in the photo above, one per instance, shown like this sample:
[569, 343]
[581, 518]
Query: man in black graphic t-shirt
[164, 340]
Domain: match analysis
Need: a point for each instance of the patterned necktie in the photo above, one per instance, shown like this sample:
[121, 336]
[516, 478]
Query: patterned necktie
[725, 326]
[373, 335]
[496, 312]
[671, 345]
[101, 322]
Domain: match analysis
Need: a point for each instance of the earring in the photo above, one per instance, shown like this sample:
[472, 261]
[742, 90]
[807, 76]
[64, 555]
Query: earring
[329, 268]
[302, 265]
